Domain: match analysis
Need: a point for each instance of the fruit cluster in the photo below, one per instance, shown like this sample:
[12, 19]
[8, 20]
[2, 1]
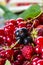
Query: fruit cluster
[21, 42]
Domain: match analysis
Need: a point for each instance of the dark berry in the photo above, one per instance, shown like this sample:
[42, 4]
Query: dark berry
[21, 32]
[16, 62]
[40, 32]
[28, 40]
[20, 58]
[16, 52]
[21, 40]
[40, 18]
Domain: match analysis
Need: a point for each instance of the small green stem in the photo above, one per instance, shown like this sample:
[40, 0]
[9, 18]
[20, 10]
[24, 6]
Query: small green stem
[13, 45]
[34, 17]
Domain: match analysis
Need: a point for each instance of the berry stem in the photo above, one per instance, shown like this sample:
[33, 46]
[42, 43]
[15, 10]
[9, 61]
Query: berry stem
[34, 22]
[34, 17]
[12, 46]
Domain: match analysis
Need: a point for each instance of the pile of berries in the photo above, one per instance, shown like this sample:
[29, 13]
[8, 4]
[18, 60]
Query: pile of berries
[21, 42]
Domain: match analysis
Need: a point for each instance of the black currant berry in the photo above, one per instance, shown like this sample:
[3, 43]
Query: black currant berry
[28, 40]
[19, 38]
[21, 32]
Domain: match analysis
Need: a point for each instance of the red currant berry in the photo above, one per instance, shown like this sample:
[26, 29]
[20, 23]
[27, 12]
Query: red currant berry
[37, 49]
[19, 20]
[39, 41]
[20, 58]
[11, 21]
[7, 54]
[2, 32]
[36, 22]
[22, 24]
[40, 62]
[40, 18]
[16, 62]
[34, 61]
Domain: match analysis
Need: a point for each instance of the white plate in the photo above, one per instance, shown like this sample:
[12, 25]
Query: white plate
[18, 9]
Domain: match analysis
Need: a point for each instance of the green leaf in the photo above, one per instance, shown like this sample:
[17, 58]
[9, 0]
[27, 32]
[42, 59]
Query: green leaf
[31, 12]
[7, 62]
[8, 14]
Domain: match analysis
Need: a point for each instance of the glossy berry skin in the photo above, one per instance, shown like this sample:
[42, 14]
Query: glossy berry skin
[11, 21]
[2, 34]
[7, 54]
[36, 22]
[40, 62]
[37, 49]
[41, 48]
[39, 26]
[25, 41]
[28, 40]
[40, 32]
[21, 32]
[22, 24]
[1, 40]
[9, 29]
[34, 60]
[21, 40]
[40, 18]
[8, 41]
[41, 56]
[19, 20]
[16, 52]
[27, 52]
[28, 26]
[39, 41]
[23, 53]
[20, 58]
[16, 62]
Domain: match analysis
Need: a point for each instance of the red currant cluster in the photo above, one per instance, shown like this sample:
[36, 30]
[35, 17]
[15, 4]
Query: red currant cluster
[21, 42]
